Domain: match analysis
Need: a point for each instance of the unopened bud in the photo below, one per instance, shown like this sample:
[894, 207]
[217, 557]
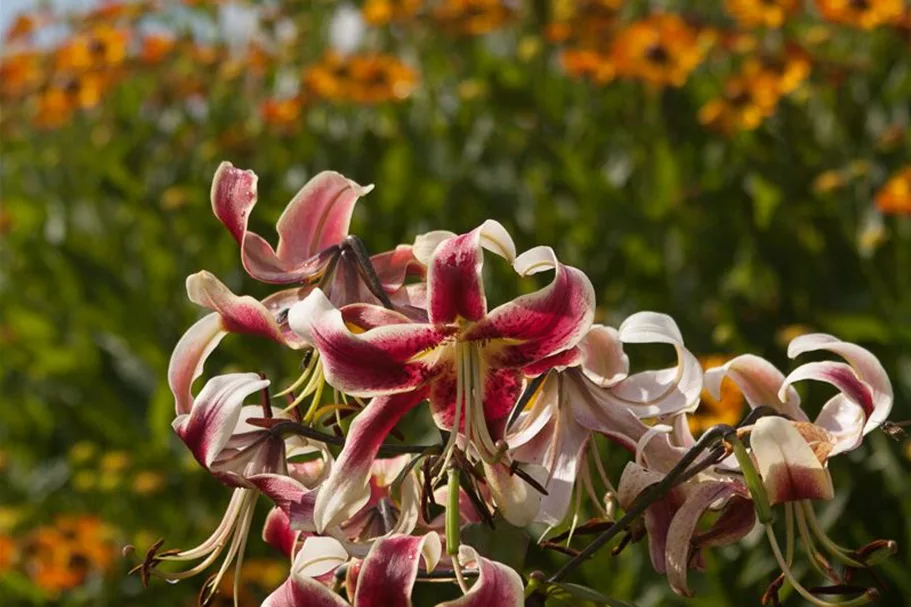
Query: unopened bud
[876, 552]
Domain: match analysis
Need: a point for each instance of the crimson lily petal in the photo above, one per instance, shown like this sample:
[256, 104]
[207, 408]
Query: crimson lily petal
[215, 413]
[277, 532]
[302, 591]
[539, 324]
[291, 497]
[316, 219]
[840, 375]
[239, 314]
[379, 361]
[497, 584]
[391, 567]
[456, 288]
[348, 487]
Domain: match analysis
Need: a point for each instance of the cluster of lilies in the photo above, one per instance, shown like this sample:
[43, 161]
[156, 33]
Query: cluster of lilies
[518, 393]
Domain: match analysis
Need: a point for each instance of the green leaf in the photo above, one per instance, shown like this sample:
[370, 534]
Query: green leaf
[766, 198]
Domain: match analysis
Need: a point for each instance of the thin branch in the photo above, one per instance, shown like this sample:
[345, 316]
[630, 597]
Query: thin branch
[647, 498]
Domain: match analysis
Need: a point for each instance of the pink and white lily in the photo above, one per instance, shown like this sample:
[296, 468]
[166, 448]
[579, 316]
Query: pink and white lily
[593, 393]
[862, 404]
[468, 361]
[388, 573]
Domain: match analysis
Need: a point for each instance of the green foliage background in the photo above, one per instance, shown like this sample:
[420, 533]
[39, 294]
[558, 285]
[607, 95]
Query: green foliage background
[726, 234]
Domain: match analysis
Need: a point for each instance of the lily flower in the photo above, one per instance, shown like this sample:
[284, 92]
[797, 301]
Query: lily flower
[865, 393]
[218, 432]
[388, 573]
[790, 458]
[591, 393]
[468, 361]
[675, 542]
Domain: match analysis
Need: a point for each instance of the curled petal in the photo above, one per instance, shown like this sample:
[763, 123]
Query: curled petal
[595, 409]
[348, 487]
[189, 356]
[215, 413]
[277, 532]
[603, 359]
[666, 391]
[760, 382]
[841, 376]
[497, 584]
[384, 360]
[393, 267]
[390, 569]
[456, 288]
[315, 220]
[300, 591]
[540, 324]
[683, 527]
[239, 314]
[425, 244]
[319, 556]
[844, 420]
[789, 468]
[865, 365]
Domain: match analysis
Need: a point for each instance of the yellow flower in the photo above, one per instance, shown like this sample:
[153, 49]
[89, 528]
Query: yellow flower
[472, 17]
[82, 451]
[661, 49]
[744, 105]
[865, 14]
[726, 410]
[380, 12]
[104, 46]
[761, 13]
[828, 181]
[895, 196]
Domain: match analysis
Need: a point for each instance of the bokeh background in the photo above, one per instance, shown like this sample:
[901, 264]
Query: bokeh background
[741, 165]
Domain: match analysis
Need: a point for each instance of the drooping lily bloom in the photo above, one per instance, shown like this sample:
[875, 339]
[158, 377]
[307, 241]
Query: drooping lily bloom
[675, 542]
[862, 404]
[592, 392]
[469, 360]
[218, 433]
[387, 576]
[790, 457]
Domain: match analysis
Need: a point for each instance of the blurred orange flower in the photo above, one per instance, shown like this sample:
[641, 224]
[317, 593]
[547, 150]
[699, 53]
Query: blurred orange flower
[104, 46]
[726, 410]
[281, 112]
[472, 17]
[866, 14]
[787, 71]
[587, 63]
[156, 47]
[54, 107]
[381, 12]
[368, 78]
[661, 49]
[19, 74]
[895, 196]
[761, 13]
[21, 28]
[62, 555]
[8, 553]
[582, 20]
[743, 106]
